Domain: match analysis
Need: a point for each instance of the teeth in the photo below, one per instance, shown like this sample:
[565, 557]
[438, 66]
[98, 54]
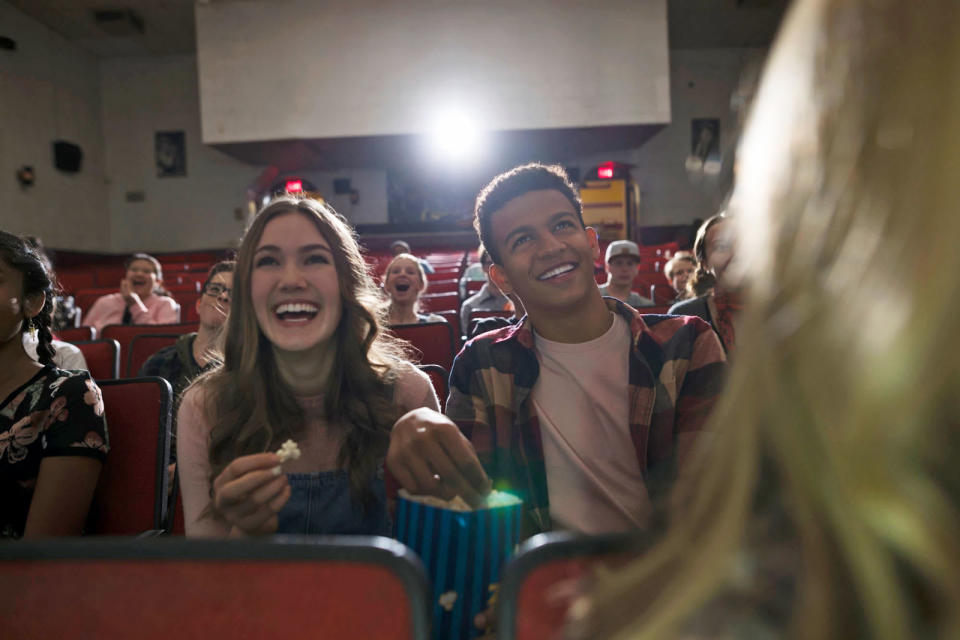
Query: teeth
[557, 271]
[298, 307]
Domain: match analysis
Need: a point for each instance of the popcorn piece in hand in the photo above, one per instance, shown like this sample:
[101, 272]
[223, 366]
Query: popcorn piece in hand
[288, 451]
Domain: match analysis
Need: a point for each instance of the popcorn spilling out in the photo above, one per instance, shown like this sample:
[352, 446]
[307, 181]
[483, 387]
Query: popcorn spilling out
[288, 451]
[447, 600]
[493, 500]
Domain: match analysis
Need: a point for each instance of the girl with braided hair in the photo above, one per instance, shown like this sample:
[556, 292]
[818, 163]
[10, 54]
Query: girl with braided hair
[53, 436]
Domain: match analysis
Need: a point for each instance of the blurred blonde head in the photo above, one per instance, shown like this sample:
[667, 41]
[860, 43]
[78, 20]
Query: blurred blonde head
[844, 397]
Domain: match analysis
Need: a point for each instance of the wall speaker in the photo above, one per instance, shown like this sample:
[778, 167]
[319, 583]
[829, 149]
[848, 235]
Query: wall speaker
[67, 156]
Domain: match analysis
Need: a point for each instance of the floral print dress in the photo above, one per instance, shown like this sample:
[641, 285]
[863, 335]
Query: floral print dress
[55, 413]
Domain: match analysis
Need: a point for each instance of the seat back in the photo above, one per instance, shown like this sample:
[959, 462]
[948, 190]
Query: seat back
[125, 333]
[84, 298]
[453, 318]
[157, 589]
[440, 301]
[75, 279]
[131, 496]
[109, 275]
[434, 341]
[77, 334]
[443, 285]
[188, 305]
[662, 294]
[439, 378]
[102, 356]
[144, 346]
[549, 572]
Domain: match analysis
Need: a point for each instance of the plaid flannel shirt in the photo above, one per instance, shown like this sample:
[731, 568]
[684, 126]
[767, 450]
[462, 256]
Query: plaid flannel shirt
[675, 375]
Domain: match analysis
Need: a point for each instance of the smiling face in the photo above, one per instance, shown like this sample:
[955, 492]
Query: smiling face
[623, 270]
[143, 277]
[403, 280]
[294, 286]
[214, 304]
[547, 256]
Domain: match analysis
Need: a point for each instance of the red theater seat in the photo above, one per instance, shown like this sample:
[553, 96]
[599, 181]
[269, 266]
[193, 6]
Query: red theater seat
[103, 358]
[440, 378]
[548, 573]
[84, 298]
[77, 334]
[131, 495]
[72, 281]
[442, 286]
[453, 319]
[188, 305]
[433, 302]
[109, 276]
[336, 588]
[662, 294]
[144, 346]
[125, 333]
[434, 340]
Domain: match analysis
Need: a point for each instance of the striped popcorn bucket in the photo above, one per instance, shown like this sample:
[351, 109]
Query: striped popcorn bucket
[464, 553]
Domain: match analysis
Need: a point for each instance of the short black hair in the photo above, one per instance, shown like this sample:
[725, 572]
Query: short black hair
[513, 184]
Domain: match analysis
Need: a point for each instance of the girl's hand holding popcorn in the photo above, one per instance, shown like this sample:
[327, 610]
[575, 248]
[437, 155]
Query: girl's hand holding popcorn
[250, 492]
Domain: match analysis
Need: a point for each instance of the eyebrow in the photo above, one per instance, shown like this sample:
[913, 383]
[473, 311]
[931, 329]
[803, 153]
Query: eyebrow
[527, 229]
[272, 248]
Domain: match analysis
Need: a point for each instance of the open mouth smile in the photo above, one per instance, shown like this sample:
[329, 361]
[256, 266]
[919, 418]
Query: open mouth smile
[401, 286]
[296, 312]
[557, 271]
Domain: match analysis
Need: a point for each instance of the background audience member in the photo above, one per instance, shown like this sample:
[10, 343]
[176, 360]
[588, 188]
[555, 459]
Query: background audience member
[141, 299]
[717, 299]
[831, 505]
[678, 271]
[404, 282]
[305, 358]
[401, 246]
[622, 262]
[488, 298]
[180, 363]
[53, 437]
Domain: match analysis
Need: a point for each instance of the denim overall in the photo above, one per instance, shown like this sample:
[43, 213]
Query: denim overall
[320, 503]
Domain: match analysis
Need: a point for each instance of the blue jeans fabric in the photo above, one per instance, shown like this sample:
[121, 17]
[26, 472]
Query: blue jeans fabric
[320, 503]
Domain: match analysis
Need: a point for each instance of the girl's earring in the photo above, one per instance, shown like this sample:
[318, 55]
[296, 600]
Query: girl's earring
[32, 328]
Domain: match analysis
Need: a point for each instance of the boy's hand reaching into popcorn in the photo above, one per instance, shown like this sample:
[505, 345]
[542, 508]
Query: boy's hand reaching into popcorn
[429, 456]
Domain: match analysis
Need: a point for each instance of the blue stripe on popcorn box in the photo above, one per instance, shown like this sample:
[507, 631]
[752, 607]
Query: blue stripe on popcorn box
[464, 553]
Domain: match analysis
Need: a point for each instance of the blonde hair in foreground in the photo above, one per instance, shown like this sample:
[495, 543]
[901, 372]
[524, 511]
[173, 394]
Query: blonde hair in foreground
[844, 402]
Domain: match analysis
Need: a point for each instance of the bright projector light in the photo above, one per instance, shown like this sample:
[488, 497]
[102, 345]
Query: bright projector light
[456, 136]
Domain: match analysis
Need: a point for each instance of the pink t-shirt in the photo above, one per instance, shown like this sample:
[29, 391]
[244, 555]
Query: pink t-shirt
[319, 445]
[581, 399]
[109, 309]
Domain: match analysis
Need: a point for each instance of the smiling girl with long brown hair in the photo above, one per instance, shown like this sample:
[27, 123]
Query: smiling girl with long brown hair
[305, 358]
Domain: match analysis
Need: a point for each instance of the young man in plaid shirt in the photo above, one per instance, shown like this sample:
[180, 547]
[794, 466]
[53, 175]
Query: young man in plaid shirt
[586, 410]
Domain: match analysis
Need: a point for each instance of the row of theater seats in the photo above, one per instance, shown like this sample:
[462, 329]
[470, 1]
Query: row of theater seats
[336, 587]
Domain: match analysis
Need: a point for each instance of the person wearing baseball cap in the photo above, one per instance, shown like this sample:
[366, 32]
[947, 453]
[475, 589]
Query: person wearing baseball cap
[622, 262]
